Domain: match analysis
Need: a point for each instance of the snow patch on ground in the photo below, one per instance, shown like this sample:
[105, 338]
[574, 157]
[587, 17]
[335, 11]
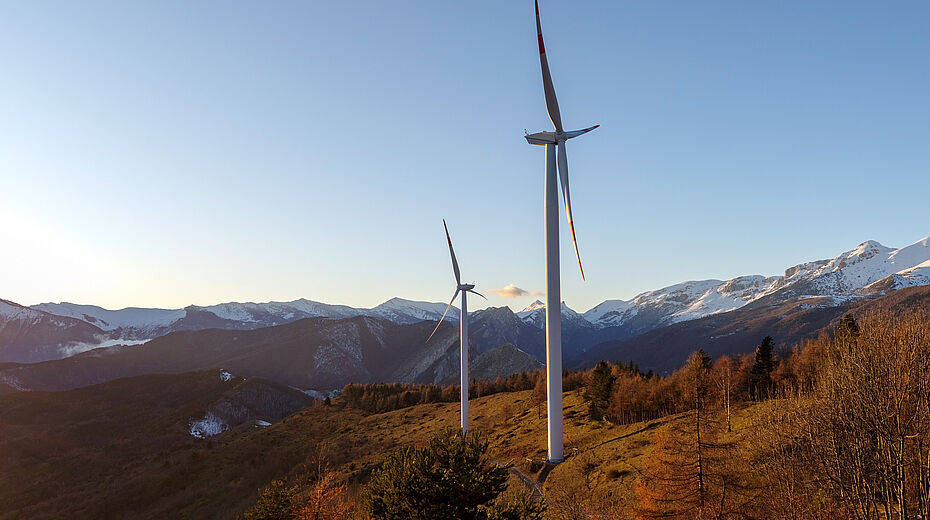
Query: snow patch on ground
[261, 423]
[12, 382]
[209, 426]
[225, 376]
[317, 394]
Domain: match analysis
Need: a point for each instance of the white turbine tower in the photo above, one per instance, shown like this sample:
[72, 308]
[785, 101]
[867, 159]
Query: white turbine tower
[553, 140]
[463, 288]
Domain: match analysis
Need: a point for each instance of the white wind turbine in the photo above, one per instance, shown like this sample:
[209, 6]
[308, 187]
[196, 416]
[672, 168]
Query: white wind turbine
[463, 288]
[553, 140]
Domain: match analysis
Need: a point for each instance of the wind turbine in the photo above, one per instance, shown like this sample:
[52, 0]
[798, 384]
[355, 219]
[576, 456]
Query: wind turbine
[552, 141]
[463, 288]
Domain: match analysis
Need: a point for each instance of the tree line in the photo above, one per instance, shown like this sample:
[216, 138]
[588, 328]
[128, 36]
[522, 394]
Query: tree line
[386, 397]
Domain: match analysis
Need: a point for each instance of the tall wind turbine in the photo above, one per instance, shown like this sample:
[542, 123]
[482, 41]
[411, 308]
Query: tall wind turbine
[464, 289]
[552, 141]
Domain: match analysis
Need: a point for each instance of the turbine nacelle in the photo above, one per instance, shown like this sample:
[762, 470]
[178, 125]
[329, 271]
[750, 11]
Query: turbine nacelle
[544, 138]
[466, 287]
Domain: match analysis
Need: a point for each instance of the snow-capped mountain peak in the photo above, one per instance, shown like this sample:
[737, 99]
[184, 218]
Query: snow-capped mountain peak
[868, 268]
[14, 311]
[130, 318]
[404, 311]
[535, 313]
[531, 307]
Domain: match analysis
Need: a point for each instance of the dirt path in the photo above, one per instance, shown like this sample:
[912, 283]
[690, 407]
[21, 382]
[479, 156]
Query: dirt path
[531, 485]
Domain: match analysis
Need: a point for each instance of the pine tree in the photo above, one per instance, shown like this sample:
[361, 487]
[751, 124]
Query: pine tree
[598, 390]
[760, 377]
[847, 332]
[450, 478]
[276, 502]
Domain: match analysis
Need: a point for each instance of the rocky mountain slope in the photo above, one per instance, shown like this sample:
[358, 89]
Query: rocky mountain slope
[313, 353]
[28, 335]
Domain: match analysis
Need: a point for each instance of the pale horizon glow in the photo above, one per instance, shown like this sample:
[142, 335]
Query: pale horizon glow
[163, 155]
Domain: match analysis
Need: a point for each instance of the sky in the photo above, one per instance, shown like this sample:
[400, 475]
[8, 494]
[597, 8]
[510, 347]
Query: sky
[172, 153]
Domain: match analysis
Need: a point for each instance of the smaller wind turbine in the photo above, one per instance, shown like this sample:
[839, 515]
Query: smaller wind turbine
[463, 288]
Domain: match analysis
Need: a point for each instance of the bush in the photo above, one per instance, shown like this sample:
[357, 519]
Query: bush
[276, 502]
[449, 478]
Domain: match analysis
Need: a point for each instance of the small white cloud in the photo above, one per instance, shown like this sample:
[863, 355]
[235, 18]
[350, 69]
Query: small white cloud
[512, 291]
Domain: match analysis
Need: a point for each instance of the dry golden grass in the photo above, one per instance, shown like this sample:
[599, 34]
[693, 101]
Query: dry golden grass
[124, 450]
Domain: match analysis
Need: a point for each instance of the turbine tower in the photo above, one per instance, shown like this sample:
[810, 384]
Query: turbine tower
[555, 145]
[463, 288]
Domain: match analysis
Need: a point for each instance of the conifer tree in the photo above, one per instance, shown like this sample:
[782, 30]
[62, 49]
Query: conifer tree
[276, 502]
[760, 377]
[598, 390]
[450, 478]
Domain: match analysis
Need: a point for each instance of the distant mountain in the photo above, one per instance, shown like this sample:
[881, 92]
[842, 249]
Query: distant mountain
[134, 323]
[29, 335]
[868, 270]
[739, 331]
[503, 361]
[578, 333]
[131, 323]
[313, 353]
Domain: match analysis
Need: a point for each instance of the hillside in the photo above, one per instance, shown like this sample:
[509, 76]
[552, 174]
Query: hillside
[90, 452]
[135, 447]
[123, 449]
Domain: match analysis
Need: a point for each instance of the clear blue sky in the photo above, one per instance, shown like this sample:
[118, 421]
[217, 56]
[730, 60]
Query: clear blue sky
[168, 153]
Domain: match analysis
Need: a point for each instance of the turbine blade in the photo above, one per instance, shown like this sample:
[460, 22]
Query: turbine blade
[576, 133]
[443, 316]
[563, 180]
[455, 264]
[476, 292]
[552, 104]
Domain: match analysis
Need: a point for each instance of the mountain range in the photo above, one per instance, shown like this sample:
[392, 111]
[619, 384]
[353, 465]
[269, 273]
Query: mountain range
[329, 345]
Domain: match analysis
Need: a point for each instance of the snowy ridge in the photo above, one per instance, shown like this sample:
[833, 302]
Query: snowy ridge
[140, 324]
[399, 310]
[683, 301]
[528, 310]
[866, 269]
[535, 314]
[128, 318]
[12, 311]
[853, 270]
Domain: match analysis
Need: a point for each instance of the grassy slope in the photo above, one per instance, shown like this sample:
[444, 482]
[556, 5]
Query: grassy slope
[122, 449]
